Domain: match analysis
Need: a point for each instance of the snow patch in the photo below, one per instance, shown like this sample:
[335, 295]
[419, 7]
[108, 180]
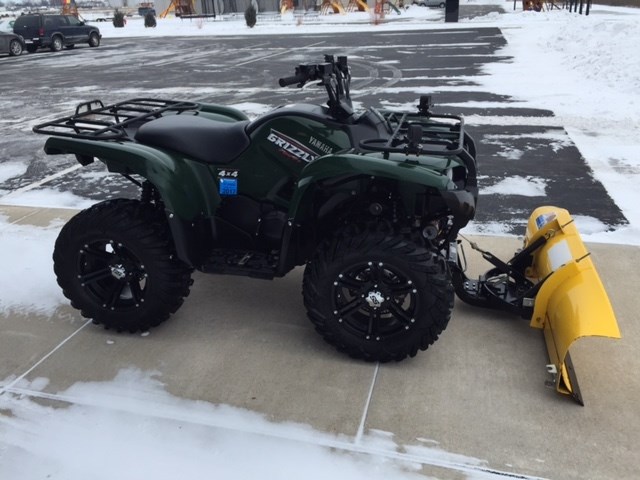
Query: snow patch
[524, 186]
[10, 170]
[27, 282]
[47, 197]
[185, 438]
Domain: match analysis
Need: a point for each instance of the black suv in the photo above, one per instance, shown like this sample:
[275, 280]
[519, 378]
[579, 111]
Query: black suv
[54, 31]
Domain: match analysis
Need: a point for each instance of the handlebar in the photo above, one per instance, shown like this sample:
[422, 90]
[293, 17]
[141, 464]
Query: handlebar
[333, 75]
[319, 71]
[285, 82]
[304, 74]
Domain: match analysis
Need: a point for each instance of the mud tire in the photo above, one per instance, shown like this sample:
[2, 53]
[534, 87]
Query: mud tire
[348, 273]
[116, 263]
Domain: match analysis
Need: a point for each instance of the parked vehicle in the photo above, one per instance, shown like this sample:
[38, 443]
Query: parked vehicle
[55, 31]
[6, 25]
[370, 202]
[11, 43]
[430, 3]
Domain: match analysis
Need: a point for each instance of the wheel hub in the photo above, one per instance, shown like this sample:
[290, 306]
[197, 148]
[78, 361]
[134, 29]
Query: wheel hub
[374, 299]
[118, 271]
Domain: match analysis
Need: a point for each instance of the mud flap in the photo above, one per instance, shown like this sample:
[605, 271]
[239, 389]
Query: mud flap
[571, 302]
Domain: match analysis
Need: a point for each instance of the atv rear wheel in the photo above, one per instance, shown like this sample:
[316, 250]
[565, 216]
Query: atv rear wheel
[116, 264]
[378, 296]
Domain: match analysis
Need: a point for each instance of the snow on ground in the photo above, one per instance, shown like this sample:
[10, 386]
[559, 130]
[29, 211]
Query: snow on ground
[131, 428]
[527, 186]
[585, 69]
[33, 263]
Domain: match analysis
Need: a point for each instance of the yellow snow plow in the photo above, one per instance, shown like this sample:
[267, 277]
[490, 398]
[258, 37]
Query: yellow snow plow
[551, 281]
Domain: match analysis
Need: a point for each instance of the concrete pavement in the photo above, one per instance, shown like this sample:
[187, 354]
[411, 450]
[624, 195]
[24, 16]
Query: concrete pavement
[478, 391]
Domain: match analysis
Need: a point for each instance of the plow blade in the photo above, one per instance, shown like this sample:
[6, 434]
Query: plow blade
[571, 301]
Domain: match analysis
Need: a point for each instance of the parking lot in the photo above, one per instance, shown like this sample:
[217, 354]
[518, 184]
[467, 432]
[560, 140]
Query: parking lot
[390, 70]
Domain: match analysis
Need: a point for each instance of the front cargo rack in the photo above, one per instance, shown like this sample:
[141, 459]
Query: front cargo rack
[420, 135]
[424, 133]
[95, 121]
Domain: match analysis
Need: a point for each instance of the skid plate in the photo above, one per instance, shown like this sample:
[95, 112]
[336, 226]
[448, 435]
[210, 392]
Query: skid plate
[572, 302]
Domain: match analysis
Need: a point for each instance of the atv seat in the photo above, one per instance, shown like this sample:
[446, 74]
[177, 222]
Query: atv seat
[202, 139]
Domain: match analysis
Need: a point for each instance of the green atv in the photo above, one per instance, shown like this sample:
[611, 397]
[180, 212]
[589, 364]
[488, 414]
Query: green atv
[370, 202]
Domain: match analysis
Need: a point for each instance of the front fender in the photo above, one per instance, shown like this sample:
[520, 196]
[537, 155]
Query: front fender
[187, 188]
[332, 166]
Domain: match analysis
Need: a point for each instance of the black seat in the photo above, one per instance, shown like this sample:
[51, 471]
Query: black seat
[197, 137]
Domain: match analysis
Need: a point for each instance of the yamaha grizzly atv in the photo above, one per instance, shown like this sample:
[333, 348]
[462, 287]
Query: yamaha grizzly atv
[370, 202]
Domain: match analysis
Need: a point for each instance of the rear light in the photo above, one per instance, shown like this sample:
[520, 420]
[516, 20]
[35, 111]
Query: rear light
[41, 32]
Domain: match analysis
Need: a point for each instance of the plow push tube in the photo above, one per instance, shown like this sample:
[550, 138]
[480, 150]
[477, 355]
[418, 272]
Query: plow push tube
[552, 281]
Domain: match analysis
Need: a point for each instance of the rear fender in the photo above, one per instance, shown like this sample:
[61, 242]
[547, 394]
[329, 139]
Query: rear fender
[187, 188]
[571, 302]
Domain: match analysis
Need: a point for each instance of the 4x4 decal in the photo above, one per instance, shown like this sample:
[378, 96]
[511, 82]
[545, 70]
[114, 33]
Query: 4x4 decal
[291, 147]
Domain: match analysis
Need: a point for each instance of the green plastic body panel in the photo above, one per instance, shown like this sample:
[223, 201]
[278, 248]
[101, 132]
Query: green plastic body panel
[291, 149]
[188, 188]
[410, 174]
[268, 166]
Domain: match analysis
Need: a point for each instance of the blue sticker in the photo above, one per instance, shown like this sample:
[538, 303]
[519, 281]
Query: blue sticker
[228, 181]
[228, 186]
[545, 218]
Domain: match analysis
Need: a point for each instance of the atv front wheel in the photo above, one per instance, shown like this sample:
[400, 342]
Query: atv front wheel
[116, 264]
[377, 296]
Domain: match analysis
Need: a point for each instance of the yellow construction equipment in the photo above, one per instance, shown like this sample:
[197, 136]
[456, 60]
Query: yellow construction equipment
[357, 6]
[69, 7]
[329, 6]
[179, 8]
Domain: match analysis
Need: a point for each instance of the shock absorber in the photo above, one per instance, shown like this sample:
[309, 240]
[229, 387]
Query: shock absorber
[146, 196]
[149, 194]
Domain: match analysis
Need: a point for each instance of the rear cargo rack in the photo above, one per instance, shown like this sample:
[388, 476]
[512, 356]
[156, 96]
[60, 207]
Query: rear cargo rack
[95, 121]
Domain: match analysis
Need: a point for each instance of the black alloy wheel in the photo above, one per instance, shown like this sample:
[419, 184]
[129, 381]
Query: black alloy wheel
[376, 295]
[116, 263]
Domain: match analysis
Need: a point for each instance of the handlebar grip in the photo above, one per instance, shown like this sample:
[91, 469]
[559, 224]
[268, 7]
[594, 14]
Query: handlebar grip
[299, 78]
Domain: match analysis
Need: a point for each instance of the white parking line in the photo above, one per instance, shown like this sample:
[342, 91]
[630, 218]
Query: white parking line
[39, 183]
[365, 412]
[291, 50]
[10, 386]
